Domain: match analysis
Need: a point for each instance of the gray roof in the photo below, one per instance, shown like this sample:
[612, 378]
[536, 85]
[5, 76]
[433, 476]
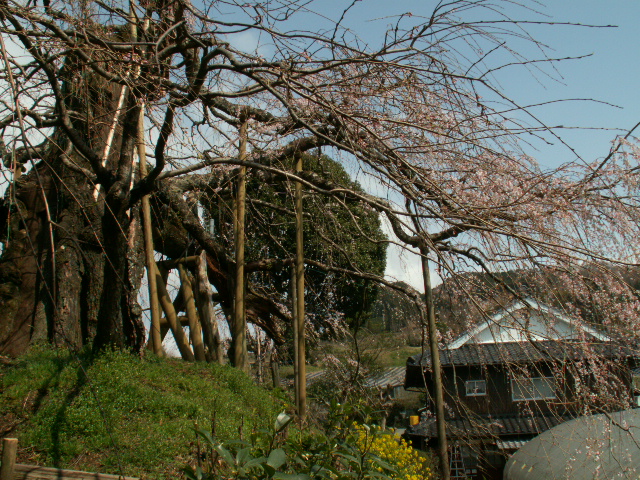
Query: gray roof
[313, 376]
[520, 352]
[510, 444]
[393, 376]
[597, 447]
[481, 426]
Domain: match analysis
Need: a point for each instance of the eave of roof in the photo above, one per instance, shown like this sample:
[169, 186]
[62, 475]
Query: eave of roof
[486, 426]
[522, 353]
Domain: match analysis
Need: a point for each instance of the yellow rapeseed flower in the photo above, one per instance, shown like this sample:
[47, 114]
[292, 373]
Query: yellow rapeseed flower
[393, 450]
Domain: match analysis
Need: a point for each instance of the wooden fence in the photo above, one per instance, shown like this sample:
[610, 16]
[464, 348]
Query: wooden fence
[10, 470]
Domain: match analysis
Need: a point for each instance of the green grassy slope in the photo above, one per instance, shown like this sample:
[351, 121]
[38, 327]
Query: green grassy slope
[117, 413]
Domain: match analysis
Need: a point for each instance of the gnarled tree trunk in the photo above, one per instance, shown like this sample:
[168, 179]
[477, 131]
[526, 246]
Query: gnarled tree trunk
[72, 265]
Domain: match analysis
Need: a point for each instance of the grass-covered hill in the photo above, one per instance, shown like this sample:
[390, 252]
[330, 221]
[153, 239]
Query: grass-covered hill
[116, 413]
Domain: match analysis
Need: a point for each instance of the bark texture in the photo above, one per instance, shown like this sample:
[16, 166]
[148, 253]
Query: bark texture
[72, 265]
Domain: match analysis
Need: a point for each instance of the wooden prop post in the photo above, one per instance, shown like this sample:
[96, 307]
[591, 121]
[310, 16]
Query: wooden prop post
[299, 269]
[206, 312]
[443, 453]
[239, 337]
[296, 339]
[275, 368]
[9, 451]
[172, 318]
[195, 331]
[208, 319]
[154, 333]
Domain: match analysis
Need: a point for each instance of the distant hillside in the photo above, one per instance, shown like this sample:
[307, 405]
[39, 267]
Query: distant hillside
[461, 299]
[392, 310]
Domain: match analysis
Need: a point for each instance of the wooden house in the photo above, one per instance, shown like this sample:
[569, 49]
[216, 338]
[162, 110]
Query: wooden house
[519, 372]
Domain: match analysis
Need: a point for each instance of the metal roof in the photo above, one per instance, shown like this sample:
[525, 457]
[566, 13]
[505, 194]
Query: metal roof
[393, 376]
[313, 376]
[487, 426]
[510, 444]
[597, 447]
[521, 352]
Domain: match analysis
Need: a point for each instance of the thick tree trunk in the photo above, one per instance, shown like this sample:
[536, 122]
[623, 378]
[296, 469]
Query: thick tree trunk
[22, 272]
[70, 268]
[51, 270]
[119, 324]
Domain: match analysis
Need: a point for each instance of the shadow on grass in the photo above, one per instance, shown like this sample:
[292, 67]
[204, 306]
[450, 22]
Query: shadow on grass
[85, 361]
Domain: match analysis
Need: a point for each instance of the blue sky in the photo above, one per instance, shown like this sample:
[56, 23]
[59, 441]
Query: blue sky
[609, 74]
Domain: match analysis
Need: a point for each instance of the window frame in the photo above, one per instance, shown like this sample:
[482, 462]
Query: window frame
[514, 381]
[467, 383]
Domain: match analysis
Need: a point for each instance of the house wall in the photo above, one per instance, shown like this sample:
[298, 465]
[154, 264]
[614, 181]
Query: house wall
[498, 400]
[571, 396]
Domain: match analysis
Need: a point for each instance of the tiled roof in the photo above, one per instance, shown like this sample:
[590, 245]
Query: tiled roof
[521, 352]
[486, 426]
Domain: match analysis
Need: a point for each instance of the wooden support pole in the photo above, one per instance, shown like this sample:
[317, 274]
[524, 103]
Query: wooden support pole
[187, 261]
[296, 339]
[164, 324]
[206, 311]
[195, 332]
[172, 318]
[299, 268]
[443, 453]
[275, 368]
[154, 303]
[259, 354]
[9, 452]
[239, 334]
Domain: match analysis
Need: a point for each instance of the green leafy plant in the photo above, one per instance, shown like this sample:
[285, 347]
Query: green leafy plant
[343, 450]
[241, 459]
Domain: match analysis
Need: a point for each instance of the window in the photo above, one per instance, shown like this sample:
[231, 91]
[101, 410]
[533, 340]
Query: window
[543, 388]
[475, 388]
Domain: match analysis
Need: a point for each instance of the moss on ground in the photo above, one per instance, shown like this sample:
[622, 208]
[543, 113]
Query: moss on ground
[115, 413]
